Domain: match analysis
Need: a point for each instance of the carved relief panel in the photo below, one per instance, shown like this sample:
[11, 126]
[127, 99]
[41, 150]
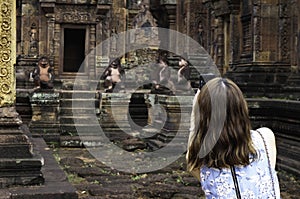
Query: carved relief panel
[285, 24]
[28, 43]
[198, 26]
[75, 14]
[7, 53]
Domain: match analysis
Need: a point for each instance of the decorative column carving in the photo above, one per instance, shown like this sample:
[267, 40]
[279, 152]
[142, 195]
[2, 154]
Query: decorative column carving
[219, 45]
[18, 163]
[50, 34]
[268, 29]
[284, 31]
[92, 45]
[102, 33]
[7, 54]
[56, 46]
[234, 35]
[294, 77]
[170, 6]
[256, 32]
[234, 43]
[52, 41]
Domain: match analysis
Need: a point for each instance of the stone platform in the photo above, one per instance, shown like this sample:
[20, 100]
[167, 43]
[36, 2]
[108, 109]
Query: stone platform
[56, 185]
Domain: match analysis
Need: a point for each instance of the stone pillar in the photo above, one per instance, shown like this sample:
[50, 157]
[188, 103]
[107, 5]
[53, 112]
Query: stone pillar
[56, 47]
[298, 36]
[219, 48]
[234, 43]
[101, 29]
[92, 54]
[114, 114]
[170, 6]
[50, 33]
[178, 110]
[19, 165]
[45, 111]
[294, 78]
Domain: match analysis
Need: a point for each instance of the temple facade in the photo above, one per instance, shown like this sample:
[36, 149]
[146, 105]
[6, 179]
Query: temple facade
[256, 43]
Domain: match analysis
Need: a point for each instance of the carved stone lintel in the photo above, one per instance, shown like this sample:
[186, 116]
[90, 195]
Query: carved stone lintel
[103, 9]
[48, 5]
[75, 14]
[221, 8]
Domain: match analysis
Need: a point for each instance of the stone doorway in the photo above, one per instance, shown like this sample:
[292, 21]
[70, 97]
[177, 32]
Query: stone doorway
[73, 49]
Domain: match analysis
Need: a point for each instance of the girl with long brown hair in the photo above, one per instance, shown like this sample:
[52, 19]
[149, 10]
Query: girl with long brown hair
[229, 158]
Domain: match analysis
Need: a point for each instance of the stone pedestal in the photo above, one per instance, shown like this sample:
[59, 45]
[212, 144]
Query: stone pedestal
[45, 110]
[178, 110]
[19, 164]
[114, 114]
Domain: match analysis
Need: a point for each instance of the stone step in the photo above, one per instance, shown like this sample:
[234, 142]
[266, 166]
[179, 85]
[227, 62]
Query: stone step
[71, 84]
[83, 94]
[56, 185]
[93, 140]
[79, 119]
[82, 141]
[71, 129]
[155, 144]
[78, 111]
[83, 103]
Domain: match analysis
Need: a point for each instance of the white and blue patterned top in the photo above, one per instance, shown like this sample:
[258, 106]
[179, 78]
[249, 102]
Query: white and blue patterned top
[254, 180]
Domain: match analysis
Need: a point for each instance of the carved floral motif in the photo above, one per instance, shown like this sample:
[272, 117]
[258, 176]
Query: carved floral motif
[73, 14]
[7, 80]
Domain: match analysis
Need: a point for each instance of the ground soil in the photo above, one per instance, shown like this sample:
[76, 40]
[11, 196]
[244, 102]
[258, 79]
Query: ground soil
[92, 179]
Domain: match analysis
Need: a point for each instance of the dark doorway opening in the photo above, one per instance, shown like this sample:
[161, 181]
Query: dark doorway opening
[138, 110]
[74, 48]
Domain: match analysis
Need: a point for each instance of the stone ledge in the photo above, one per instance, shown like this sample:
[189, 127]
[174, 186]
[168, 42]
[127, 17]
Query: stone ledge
[283, 117]
[56, 185]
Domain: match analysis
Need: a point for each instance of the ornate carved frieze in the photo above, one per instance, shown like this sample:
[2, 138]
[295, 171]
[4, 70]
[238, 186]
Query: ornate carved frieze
[256, 33]
[75, 14]
[284, 31]
[7, 52]
[221, 8]
[198, 26]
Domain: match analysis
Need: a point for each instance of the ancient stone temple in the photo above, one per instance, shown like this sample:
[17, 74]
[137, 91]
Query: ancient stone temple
[20, 164]
[250, 41]
[255, 43]
[24, 160]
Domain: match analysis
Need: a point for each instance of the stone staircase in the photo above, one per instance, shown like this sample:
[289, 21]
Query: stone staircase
[78, 120]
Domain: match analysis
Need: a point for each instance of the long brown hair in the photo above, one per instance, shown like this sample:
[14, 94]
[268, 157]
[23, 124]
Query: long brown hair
[222, 127]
